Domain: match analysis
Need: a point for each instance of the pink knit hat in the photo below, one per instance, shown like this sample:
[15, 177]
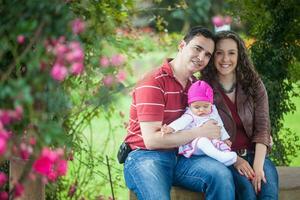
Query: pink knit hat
[200, 91]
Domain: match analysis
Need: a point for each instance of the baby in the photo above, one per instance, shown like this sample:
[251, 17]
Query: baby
[200, 110]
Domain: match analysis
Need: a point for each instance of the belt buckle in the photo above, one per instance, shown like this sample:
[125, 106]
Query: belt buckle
[242, 152]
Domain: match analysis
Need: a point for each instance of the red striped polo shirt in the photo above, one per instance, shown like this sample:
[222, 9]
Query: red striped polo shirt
[158, 97]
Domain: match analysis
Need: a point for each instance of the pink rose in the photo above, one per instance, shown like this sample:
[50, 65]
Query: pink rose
[19, 190]
[62, 167]
[59, 72]
[18, 113]
[21, 39]
[52, 176]
[227, 20]
[45, 161]
[32, 141]
[108, 80]
[117, 60]
[77, 68]
[76, 55]
[42, 165]
[3, 196]
[60, 50]
[5, 134]
[50, 164]
[25, 151]
[121, 76]
[49, 154]
[3, 145]
[78, 26]
[104, 61]
[217, 21]
[3, 179]
[5, 117]
[74, 45]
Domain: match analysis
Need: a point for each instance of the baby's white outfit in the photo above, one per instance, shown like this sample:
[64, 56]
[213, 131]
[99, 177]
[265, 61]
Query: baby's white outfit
[216, 149]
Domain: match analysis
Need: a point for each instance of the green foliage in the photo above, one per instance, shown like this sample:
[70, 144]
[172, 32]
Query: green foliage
[21, 80]
[275, 53]
[181, 15]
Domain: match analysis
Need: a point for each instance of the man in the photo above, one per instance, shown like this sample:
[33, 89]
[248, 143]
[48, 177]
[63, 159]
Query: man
[161, 97]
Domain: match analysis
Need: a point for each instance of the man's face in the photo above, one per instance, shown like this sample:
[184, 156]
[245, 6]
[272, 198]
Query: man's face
[196, 53]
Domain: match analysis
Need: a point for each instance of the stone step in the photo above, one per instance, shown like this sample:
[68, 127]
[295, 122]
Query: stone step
[289, 185]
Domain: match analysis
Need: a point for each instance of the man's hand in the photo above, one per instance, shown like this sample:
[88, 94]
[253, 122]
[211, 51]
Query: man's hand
[209, 129]
[166, 129]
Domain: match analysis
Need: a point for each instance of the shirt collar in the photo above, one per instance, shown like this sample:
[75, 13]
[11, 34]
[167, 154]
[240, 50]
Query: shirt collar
[168, 69]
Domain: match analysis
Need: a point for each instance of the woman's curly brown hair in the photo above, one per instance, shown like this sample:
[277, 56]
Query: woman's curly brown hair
[246, 74]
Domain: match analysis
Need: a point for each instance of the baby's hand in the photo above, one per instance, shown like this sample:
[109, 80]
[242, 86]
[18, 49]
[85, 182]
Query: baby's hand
[166, 129]
[228, 142]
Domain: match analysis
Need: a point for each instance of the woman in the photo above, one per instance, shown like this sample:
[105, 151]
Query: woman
[242, 102]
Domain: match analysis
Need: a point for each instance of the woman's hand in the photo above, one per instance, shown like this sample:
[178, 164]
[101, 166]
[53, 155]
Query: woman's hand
[243, 167]
[258, 166]
[228, 142]
[259, 176]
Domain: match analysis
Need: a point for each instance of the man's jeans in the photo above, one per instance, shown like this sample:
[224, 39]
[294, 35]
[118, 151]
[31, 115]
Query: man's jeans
[245, 189]
[150, 174]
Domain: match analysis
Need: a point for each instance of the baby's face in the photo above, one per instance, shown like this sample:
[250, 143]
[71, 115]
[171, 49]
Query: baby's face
[200, 108]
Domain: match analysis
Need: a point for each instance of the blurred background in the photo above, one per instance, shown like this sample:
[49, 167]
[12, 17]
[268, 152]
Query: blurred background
[122, 41]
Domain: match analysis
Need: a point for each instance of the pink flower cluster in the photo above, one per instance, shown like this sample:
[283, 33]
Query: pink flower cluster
[78, 26]
[6, 118]
[25, 150]
[69, 58]
[220, 21]
[116, 60]
[4, 136]
[3, 196]
[3, 179]
[110, 80]
[51, 164]
[19, 190]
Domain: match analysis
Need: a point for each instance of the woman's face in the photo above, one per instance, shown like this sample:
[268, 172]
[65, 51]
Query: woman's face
[226, 57]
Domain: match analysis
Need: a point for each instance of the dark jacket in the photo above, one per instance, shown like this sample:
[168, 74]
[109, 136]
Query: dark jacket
[253, 111]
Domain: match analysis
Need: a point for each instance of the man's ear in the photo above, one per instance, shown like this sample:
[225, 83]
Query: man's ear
[181, 45]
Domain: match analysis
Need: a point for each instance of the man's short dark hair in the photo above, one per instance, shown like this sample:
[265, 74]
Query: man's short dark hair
[196, 31]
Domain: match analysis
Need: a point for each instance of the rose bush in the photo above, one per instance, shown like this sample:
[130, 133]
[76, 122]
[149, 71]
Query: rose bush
[52, 82]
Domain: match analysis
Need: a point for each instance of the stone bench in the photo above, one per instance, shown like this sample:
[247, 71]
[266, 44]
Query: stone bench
[289, 185]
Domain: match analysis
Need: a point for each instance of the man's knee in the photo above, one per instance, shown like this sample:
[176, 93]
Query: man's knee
[224, 178]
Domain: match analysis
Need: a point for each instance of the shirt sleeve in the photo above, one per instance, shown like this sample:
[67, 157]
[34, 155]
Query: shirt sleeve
[262, 127]
[149, 101]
